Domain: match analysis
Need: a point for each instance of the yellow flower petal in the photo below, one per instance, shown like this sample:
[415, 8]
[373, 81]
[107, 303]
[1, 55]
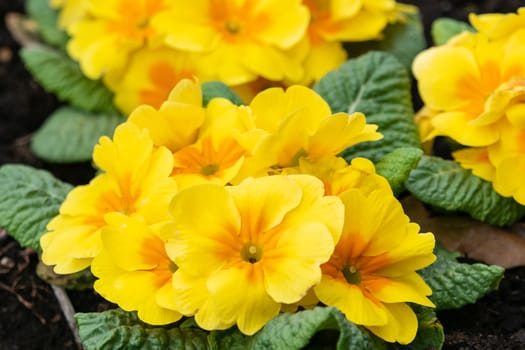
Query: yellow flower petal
[401, 326]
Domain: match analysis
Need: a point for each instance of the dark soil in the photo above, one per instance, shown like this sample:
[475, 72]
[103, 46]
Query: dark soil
[30, 317]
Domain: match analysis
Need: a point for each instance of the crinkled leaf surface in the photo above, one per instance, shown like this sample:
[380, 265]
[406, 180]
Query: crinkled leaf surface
[377, 85]
[445, 28]
[58, 74]
[456, 284]
[396, 166]
[46, 19]
[214, 89]
[403, 39]
[30, 198]
[120, 330]
[446, 185]
[68, 135]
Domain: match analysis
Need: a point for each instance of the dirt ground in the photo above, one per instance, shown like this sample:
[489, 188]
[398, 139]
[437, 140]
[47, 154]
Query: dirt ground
[30, 317]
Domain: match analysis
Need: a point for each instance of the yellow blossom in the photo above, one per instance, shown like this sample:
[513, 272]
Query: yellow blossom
[176, 123]
[371, 274]
[240, 40]
[136, 182]
[251, 247]
[498, 25]
[509, 177]
[103, 40]
[479, 81]
[151, 75]
[134, 271]
[477, 160]
[71, 11]
[299, 123]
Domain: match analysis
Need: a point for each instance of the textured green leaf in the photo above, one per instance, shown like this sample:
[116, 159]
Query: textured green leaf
[396, 166]
[58, 74]
[404, 40]
[117, 329]
[456, 284]
[446, 185]
[68, 135]
[231, 339]
[379, 86]
[30, 198]
[445, 28]
[219, 89]
[430, 335]
[46, 19]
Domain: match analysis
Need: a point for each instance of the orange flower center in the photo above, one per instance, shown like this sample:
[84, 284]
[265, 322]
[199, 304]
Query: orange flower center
[163, 77]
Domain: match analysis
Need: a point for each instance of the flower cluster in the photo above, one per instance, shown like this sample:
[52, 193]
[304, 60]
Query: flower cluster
[478, 98]
[142, 48]
[233, 214]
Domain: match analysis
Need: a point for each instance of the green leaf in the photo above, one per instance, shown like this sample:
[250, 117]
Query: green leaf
[396, 166]
[117, 329]
[289, 331]
[446, 185]
[404, 40]
[68, 135]
[445, 28]
[430, 335]
[214, 89]
[30, 198]
[46, 19]
[456, 284]
[58, 74]
[379, 86]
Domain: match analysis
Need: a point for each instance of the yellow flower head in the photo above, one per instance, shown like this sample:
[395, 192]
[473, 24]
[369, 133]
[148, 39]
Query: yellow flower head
[477, 160]
[71, 11]
[509, 178]
[251, 247]
[300, 124]
[479, 82]
[498, 25]
[371, 274]
[151, 75]
[242, 39]
[134, 270]
[103, 40]
[176, 123]
[136, 182]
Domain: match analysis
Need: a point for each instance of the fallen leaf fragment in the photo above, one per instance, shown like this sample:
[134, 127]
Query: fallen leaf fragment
[476, 240]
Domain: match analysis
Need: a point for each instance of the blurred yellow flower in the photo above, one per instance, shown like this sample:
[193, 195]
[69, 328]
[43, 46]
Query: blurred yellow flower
[371, 274]
[150, 76]
[136, 182]
[103, 40]
[239, 40]
[134, 270]
[71, 11]
[251, 247]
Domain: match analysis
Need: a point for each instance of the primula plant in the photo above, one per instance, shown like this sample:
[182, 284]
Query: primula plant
[252, 164]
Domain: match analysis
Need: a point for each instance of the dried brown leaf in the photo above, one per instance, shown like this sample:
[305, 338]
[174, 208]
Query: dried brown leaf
[476, 240]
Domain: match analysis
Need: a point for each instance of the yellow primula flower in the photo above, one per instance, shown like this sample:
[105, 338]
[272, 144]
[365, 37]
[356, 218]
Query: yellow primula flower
[71, 11]
[509, 177]
[176, 123]
[134, 270]
[498, 25]
[239, 40]
[477, 160]
[371, 274]
[150, 76]
[251, 247]
[136, 182]
[299, 123]
[103, 40]
[479, 82]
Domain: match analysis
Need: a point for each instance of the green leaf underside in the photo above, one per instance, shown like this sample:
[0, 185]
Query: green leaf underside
[403, 39]
[58, 74]
[396, 166]
[46, 19]
[377, 85]
[30, 198]
[214, 89]
[457, 284]
[446, 185]
[445, 28]
[117, 329]
[68, 135]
